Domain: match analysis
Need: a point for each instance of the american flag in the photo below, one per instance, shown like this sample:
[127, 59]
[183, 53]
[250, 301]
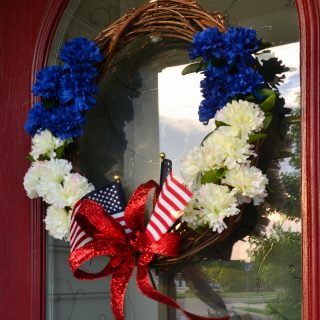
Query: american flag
[173, 198]
[111, 198]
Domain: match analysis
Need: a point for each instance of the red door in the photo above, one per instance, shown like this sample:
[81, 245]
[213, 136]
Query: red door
[23, 49]
[26, 31]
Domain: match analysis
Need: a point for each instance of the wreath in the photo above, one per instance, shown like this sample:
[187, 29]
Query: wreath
[221, 176]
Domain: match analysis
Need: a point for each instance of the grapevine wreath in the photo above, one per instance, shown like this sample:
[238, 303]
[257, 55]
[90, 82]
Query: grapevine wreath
[222, 181]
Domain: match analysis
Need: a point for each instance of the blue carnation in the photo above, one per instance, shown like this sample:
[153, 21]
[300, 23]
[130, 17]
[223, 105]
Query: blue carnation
[247, 81]
[80, 54]
[207, 110]
[47, 83]
[35, 119]
[219, 88]
[66, 92]
[207, 44]
[240, 43]
[65, 122]
[229, 70]
[78, 87]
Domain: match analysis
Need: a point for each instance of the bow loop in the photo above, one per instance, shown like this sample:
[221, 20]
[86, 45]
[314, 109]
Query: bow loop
[135, 211]
[93, 219]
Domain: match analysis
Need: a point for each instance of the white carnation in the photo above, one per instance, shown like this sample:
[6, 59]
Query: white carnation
[56, 170]
[58, 222]
[32, 178]
[243, 118]
[209, 206]
[54, 173]
[45, 144]
[194, 163]
[249, 182]
[222, 149]
[73, 188]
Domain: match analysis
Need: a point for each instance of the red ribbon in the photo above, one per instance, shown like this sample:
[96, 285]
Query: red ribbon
[109, 239]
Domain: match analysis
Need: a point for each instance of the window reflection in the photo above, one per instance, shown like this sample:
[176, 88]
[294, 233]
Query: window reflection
[256, 274]
[179, 97]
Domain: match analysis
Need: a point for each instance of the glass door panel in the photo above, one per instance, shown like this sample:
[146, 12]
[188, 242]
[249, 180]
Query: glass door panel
[144, 107]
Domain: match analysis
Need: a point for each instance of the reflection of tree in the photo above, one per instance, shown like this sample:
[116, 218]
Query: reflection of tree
[277, 253]
[291, 180]
[278, 258]
[291, 203]
[231, 276]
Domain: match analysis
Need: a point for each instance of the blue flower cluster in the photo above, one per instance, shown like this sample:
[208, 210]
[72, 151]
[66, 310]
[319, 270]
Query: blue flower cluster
[66, 91]
[230, 71]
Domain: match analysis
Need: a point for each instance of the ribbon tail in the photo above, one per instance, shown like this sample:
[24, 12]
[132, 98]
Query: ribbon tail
[146, 288]
[119, 283]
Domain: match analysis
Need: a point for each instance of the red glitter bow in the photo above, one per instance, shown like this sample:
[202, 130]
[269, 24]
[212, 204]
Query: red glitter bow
[109, 239]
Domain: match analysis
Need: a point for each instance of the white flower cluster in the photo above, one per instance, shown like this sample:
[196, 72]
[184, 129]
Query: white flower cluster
[53, 180]
[210, 204]
[45, 144]
[228, 149]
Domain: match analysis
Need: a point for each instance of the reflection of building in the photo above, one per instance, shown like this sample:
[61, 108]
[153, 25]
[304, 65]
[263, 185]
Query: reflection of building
[180, 283]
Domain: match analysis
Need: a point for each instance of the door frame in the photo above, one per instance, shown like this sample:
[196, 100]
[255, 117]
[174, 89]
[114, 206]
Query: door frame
[23, 243]
[309, 24]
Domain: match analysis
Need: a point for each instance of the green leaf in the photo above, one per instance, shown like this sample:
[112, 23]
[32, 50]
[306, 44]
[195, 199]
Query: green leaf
[257, 136]
[213, 176]
[43, 157]
[267, 120]
[49, 103]
[193, 67]
[265, 92]
[60, 151]
[30, 157]
[264, 45]
[221, 124]
[268, 103]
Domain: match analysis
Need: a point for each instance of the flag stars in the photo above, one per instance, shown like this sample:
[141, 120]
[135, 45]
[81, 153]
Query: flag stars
[109, 198]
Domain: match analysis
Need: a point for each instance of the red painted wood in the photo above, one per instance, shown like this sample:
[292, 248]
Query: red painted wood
[21, 231]
[24, 49]
[309, 17]
[38, 235]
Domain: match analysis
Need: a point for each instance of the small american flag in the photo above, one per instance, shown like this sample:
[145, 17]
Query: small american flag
[173, 198]
[111, 198]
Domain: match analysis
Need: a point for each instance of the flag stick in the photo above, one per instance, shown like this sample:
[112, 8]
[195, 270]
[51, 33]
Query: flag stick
[162, 157]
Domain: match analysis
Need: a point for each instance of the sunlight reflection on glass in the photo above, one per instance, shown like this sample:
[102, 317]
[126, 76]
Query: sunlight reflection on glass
[179, 98]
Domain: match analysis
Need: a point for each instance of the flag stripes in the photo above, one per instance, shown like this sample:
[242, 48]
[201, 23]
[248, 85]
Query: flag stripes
[78, 238]
[172, 200]
[111, 199]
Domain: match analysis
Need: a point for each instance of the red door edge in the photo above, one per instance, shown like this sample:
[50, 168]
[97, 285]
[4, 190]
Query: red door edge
[45, 37]
[309, 13]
